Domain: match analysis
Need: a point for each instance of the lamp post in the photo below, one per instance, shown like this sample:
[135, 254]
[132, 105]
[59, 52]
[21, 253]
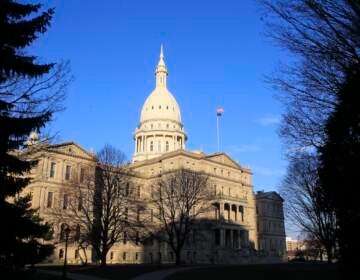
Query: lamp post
[67, 232]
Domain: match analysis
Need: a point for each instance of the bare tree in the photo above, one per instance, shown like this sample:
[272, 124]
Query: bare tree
[324, 39]
[34, 96]
[304, 207]
[99, 205]
[178, 200]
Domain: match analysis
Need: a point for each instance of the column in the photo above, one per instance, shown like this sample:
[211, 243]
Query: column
[221, 209]
[145, 144]
[222, 237]
[231, 238]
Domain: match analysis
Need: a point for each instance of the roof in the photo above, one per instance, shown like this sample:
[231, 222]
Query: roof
[272, 195]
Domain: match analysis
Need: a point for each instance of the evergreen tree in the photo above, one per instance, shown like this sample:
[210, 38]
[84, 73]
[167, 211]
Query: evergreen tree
[20, 228]
[339, 170]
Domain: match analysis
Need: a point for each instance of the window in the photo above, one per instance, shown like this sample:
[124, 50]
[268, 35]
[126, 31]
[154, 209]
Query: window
[167, 146]
[111, 255]
[61, 253]
[241, 210]
[82, 175]
[50, 200]
[136, 256]
[138, 215]
[159, 146]
[65, 201]
[127, 189]
[67, 172]
[52, 169]
[125, 237]
[77, 233]
[151, 146]
[76, 253]
[138, 191]
[137, 239]
[62, 232]
[126, 213]
[80, 205]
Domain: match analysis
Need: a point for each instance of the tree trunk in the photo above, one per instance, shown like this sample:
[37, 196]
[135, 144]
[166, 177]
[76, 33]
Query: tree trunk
[178, 257]
[329, 253]
[103, 258]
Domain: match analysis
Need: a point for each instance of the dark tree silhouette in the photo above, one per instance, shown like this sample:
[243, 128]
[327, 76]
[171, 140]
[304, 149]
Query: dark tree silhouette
[324, 39]
[339, 174]
[178, 200]
[29, 94]
[304, 208]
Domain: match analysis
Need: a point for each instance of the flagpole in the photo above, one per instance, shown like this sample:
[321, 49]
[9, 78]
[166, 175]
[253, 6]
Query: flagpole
[219, 112]
[217, 132]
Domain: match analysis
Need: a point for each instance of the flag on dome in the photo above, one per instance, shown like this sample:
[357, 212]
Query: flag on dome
[219, 111]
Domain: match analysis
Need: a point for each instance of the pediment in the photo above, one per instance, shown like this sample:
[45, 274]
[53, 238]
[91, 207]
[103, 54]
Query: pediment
[224, 159]
[71, 149]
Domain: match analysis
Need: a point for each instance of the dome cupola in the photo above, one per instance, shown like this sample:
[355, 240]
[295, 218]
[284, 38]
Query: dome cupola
[160, 129]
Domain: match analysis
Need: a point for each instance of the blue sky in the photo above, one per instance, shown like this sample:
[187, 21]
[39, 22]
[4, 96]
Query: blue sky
[215, 53]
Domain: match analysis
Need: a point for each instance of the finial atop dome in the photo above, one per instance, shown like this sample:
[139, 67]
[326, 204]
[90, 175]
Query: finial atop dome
[161, 71]
[161, 52]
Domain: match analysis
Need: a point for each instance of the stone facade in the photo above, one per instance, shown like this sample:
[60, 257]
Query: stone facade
[270, 225]
[234, 231]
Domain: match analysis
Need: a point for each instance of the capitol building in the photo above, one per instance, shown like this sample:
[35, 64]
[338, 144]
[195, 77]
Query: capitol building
[247, 226]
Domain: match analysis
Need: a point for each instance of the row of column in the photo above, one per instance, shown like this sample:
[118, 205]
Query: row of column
[166, 143]
[227, 211]
[231, 238]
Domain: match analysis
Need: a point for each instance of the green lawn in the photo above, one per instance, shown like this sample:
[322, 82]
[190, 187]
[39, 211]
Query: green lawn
[291, 271]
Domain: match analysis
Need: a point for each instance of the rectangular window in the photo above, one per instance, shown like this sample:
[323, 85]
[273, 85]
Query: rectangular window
[125, 237]
[82, 175]
[67, 172]
[80, 202]
[138, 215]
[139, 192]
[65, 201]
[49, 200]
[52, 169]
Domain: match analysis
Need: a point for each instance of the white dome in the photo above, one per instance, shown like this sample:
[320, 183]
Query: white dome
[160, 129]
[160, 105]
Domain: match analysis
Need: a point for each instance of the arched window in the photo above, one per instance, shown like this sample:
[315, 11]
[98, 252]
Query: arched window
[167, 146]
[62, 232]
[151, 146]
[61, 253]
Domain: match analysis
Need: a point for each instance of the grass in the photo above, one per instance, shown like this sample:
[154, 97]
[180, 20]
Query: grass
[292, 271]
[110, 272]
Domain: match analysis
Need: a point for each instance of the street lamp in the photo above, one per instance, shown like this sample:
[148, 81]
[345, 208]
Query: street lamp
[67, 233]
